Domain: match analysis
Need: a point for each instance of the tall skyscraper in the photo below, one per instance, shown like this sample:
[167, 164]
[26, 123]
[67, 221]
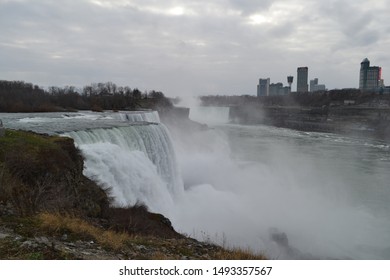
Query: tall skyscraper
[303, 73]
[263, 87]
[370, 76]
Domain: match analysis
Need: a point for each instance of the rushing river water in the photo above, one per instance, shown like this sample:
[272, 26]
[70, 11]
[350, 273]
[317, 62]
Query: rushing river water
[285, 193]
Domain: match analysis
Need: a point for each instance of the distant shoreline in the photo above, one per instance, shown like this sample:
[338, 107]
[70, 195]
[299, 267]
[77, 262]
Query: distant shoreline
[347, 111]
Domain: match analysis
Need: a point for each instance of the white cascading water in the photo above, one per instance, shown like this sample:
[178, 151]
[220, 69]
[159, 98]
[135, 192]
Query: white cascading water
[136, 162]
[140, 116]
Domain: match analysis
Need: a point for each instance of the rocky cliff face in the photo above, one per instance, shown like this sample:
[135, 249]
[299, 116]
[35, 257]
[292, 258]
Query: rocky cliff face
[355, 120]
[44, 173]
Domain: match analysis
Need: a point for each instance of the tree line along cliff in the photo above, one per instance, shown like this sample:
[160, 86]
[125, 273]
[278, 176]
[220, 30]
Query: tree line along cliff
[19, 96]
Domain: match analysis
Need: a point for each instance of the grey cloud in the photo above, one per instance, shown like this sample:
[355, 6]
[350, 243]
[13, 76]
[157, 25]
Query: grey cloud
[248, 7]
[369, 37]
[359, 25]
[76, 42]
[284, 30]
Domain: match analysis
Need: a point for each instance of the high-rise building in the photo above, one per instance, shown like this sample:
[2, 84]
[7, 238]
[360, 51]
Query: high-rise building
[302, 85]
[274, 89]
[313, 83]
[314, 86]
[263, 87]
[370, 76]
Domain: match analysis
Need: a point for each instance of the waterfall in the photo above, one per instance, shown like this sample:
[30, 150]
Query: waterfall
[137, 162]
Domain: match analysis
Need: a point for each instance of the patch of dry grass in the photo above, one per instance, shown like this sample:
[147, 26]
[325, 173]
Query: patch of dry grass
[76, 226]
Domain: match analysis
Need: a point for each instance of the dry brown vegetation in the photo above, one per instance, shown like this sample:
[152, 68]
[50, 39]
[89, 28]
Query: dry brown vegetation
[59, 224]
[44, 173]
[90, 240]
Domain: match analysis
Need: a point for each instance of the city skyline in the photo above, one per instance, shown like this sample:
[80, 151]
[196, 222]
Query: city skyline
[370, 79]
[190, 47]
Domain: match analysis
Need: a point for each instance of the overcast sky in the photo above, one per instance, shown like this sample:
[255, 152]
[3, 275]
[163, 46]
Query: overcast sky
[191, 47]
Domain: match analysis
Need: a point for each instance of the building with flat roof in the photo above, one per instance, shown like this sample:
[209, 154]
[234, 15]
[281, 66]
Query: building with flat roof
[314, 86]
[278, 89]
[263, 87]
[302, 77]
[370, 77]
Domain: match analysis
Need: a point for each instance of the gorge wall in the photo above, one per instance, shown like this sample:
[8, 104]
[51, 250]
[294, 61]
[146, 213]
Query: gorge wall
[355, 120]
